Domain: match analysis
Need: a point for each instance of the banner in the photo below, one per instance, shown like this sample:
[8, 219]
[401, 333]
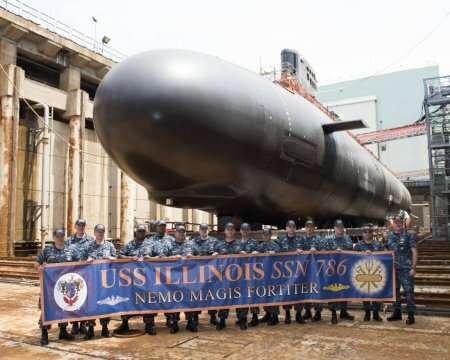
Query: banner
[87, 290]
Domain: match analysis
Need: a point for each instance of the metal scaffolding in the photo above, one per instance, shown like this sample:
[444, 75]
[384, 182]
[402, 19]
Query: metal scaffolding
[437, 112]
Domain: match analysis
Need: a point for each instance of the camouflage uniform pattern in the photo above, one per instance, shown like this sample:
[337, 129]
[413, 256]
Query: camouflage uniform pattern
[334, 242]
[229, 248]
[290, 244]
[140, 249]
[372, 246]
[249, 246]
[402, 244]
[102, 251]
[52, 255]
[265, 247]
[162, 243]
[79, 246]
[187, 247]
[316, 242]
[205, 248]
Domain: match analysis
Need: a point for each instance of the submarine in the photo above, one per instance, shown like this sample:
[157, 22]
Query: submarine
[200, 132]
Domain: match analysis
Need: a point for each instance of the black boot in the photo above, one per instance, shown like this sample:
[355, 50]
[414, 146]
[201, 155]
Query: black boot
[396, 315]
[376, 316]
[64, 335]
[75, 329]
[287, 318]
[367, 316]
[44, 337]
[213, 319]
[90, 333]
[345, 315]
[196, 322]
[308, 314]
[317, 317]
[105, 331]
[299, 318]
[265, 318]
[273, 320]
[168, 322]
[174, 328]
[221, 325]
[334, 320]
[83, 329]
[150, 328]
[254, 321]
[243, 324]
[191, 325]
[123, 328]
[411, 319]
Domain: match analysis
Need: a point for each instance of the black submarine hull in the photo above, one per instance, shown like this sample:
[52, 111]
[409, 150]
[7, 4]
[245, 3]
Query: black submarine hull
[200, 132]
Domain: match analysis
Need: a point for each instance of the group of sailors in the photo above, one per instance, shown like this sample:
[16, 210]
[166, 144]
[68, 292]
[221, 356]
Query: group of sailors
[82, 247]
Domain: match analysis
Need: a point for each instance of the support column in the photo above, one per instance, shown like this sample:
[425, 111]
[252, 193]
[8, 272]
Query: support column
[127, 195]
[196, 219]
[9, 132]
[73, 113]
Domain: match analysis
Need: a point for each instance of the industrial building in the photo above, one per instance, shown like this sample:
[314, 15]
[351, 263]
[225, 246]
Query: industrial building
[392, 107]
[53, 173]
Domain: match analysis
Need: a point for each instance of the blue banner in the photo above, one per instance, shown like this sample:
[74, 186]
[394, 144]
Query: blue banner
[87, 290]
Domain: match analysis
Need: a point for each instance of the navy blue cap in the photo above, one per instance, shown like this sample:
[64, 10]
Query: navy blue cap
[230, 225]
[267, 231]
[291, 223]
[309, 222]
[245, 226]
[100, 227]
[141, 227]
[59, 232]
[203, 226]
[80, 221]
[180, 228]
[367, 228]
[338, 223]
[160, 223]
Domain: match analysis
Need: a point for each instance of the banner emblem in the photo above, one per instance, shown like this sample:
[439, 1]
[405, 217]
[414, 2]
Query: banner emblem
[70, 292]
[369, 276]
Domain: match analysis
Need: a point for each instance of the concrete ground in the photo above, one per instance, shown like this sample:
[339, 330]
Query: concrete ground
[19, 338]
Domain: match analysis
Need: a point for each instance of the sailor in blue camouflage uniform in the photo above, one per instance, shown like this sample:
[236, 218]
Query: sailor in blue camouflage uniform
[250, 246]
[312, 242]
[228, 247]
[291, 242]
[339, 241]
[100, 249]
[138, 249]
[162, 241]
[178, 248]
[403, 244]
[369, 245]
[80, 242]
[267, 245]
[206, 246]
[58, 252]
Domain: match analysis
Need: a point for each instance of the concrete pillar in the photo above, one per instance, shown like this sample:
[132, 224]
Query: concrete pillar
[196, 219]
[8, 52]
[127, 201]
[9, 132]
[73, 113]
[69, 79]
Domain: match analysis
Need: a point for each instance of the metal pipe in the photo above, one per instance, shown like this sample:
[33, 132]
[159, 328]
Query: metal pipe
[45, 175]
[74, 171]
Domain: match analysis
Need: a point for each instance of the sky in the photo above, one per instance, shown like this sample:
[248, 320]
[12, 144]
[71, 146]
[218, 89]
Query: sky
[342, 39]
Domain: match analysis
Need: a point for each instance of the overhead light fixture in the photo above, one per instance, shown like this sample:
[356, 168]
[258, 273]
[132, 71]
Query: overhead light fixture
[105, 39]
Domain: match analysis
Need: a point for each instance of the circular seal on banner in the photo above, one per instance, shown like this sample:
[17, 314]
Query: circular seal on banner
[70, 292]
[369, 276]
